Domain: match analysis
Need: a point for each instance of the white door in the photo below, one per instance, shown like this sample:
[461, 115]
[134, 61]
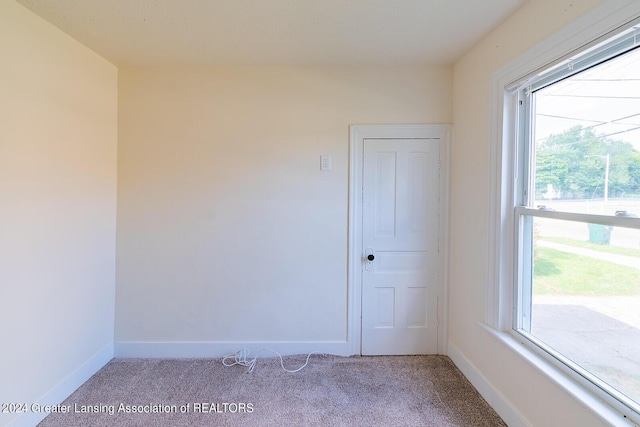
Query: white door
[400, 277]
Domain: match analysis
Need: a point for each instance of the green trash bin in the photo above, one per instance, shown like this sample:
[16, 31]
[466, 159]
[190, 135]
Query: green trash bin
[600, 234]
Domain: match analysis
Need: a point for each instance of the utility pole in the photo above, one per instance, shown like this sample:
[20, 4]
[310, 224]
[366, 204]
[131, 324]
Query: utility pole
[606, 180]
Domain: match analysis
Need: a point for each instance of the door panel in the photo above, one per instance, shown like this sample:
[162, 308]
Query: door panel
[400, 228]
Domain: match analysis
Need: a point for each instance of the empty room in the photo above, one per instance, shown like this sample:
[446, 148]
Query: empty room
[340, 212]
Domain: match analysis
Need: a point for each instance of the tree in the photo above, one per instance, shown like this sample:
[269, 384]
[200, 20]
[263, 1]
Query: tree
[634, 173]
[574, 163]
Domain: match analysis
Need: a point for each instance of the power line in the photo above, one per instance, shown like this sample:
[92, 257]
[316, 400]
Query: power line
[589, 140]
[595, 96]
[605, 80]
[572, 118]
[592, 126]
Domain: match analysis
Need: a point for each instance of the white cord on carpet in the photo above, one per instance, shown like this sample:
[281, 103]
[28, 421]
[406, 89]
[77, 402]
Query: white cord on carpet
[241, 358]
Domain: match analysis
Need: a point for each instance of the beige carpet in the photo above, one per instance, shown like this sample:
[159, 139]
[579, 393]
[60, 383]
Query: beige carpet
[330, 391]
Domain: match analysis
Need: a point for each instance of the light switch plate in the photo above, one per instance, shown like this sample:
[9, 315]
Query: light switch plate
[325, 163]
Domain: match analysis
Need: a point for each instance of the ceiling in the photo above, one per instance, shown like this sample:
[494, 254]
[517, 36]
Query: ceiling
[276, 32]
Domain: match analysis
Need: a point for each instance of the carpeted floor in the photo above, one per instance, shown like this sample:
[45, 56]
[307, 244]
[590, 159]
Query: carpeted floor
[330, 391]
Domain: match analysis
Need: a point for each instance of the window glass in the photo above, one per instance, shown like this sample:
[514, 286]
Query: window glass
[586, 130]
[578, 292]
[585, 297]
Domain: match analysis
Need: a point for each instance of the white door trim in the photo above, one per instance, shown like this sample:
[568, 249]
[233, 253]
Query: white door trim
[358, 133]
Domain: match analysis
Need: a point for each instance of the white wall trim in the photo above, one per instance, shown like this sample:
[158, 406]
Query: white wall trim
[358, 133]
[496, 400]
[66, 387]
[581, 394]
[443, 244]
[189, 350]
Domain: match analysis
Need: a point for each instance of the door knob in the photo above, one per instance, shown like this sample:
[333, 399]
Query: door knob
[369, 257]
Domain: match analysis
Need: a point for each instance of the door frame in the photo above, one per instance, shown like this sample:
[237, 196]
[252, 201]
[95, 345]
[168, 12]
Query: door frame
[358, 133]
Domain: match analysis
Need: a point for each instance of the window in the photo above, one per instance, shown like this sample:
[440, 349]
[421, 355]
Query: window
[576, 209]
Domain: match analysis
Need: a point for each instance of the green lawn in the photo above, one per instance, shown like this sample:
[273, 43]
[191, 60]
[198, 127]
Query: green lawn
[594, 246]
[561, 273]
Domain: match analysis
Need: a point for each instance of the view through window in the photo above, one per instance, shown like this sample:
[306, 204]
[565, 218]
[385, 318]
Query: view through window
[579, 294]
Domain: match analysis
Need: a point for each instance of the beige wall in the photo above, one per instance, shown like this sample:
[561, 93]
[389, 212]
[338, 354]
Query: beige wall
[538, 400]
[58, 140]
[227, 228]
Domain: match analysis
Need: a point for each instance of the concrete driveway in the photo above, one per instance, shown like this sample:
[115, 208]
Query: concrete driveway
[584, 330]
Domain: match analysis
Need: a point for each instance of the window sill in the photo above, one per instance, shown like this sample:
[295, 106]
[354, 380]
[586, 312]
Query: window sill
[580, 393]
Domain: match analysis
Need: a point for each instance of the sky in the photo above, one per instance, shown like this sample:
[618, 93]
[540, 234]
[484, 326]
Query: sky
[605, 98]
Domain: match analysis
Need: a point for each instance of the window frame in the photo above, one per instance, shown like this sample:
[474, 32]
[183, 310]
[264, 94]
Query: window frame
[541, 65]
[623, 42]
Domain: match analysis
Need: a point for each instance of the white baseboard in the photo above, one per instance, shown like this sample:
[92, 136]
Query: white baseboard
[64, 388]
[496, 400]
[189, 350]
